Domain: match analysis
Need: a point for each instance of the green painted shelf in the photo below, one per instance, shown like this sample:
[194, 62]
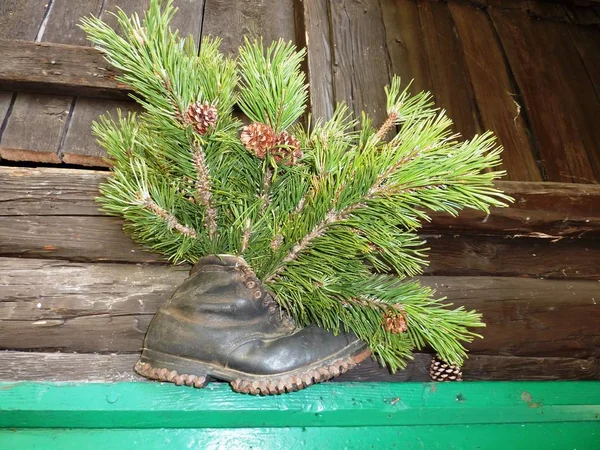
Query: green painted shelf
[482, 415]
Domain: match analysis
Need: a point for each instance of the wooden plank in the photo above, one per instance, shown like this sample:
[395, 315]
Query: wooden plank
[360, 61]
[46, 304]
[231, 21]
[58, 68]
[314, 25]
[495, 93]
[19, 19]
[506, 256]
[587, 42]
[79, 146]
[405, 43]
[512, 435]
[79, 238]
[152, 405]
[544, 210]
[76, 238]
[34, 129]
[75, 367]
[115, 367]
[557, 92]
[49, 191]
[450, 77]
[38, 121]
[46, 213]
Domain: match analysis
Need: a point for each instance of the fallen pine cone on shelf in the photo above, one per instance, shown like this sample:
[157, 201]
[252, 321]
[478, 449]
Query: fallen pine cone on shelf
[443, 371]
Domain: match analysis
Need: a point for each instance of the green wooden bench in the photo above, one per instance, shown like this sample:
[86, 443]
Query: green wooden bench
[483, 415]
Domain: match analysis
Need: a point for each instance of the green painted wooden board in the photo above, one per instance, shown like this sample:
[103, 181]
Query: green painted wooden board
[580, 436]
[487, 415]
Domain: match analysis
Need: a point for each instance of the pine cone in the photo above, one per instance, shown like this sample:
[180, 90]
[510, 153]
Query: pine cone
[258, 138]
[287, 149]
[394, 322]
[443, 371]
[203, 116]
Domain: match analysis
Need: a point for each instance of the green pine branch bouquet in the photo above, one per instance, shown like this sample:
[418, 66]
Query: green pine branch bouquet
[325, 214]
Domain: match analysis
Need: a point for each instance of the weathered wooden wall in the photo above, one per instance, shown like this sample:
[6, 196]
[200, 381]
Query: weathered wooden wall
[71, 281]
[528, 70]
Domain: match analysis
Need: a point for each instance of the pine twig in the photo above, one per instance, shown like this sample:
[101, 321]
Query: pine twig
[203, 188]
[386, 127]
[169, 218]
[246, 236]
[266, 189]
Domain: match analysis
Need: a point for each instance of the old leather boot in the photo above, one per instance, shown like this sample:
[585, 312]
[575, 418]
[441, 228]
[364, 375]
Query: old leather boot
[222, 324]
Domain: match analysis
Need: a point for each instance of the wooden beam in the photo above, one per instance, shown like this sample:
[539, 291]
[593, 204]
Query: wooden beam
[541, 210]
[58, 68]
[109, 368]
[365, 411]
[49, 304]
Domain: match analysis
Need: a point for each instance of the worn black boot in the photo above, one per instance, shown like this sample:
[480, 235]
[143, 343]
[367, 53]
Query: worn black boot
[222, 324]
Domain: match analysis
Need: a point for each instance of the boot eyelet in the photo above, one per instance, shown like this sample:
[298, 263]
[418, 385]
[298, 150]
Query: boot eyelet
[257, 294]
[250, 284]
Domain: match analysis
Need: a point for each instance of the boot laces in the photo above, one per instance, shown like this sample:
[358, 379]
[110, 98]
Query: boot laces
[274, 307]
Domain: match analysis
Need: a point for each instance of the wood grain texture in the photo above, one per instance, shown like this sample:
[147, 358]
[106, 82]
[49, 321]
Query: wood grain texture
[58, 68]
[38, 121]
[109, 368]
[80, 147]
[51, 213]
[497, 99]
[46, 304]
[542, 210]
[271, 19]
[405, 43]
[79, 238]
[360, 60]
[449, 74]
[21, 19]
[507, 256]
[559, 97]
[317, 39]
[348, 413]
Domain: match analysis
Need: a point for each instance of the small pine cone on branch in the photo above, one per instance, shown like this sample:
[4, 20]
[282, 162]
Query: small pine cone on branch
[203, 115]
[287, 149]
[443, 371]
[258, 138]
[394, 322]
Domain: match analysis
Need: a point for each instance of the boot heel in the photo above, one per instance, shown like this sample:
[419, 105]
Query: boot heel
[154, 372]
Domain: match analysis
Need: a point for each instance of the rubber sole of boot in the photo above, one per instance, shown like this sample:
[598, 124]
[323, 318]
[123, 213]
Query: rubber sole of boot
[184, 371]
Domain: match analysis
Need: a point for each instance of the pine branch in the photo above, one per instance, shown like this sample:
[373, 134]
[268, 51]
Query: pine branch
[204, 189]
[266, 187]
[246, 236]
[171, 220]
[387, 126]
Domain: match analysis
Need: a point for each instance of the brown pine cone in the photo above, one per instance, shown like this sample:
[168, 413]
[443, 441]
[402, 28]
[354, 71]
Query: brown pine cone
[203, 116]
[258, 138]
[443, 371]
[394, 322]
[287, 149]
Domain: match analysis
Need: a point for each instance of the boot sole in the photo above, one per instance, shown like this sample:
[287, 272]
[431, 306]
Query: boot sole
[160, 366]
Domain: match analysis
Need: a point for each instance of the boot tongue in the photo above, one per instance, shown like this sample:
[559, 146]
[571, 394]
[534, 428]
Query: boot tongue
[218, 260]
